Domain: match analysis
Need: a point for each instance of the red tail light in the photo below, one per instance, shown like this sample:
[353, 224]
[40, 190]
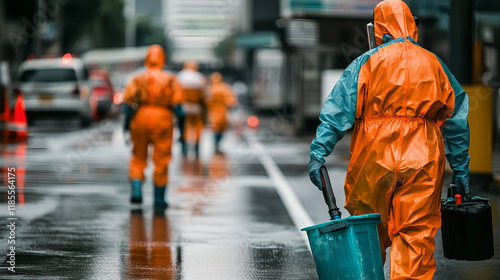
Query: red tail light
[100, 91]
[66, 59]
[253, 121]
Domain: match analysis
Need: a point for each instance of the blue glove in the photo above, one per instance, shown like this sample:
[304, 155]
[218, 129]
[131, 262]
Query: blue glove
[462, 183]
[314, 174]
[128, 113]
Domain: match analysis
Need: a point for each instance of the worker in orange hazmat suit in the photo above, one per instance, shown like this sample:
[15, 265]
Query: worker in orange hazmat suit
[408, 113]
[157, 95]
[193, 95]
[220, 97]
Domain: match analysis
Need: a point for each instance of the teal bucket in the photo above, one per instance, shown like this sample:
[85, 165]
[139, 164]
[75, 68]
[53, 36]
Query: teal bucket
[347, 248]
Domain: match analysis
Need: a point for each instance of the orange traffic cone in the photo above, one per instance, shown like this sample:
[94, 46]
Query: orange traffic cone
[4, 115]
[15, 172]
[5, 170]
[20, 155]
[18, 126]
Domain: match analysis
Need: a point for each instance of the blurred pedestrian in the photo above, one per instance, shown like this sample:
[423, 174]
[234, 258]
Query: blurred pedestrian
[193, 102]
[156, 94]
[220, 97]
[401, 101]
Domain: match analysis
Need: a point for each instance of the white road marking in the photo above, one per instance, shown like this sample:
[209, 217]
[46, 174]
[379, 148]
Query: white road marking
[296, 210]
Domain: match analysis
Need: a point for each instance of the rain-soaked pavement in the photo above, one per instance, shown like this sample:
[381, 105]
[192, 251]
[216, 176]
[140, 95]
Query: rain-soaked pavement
[229, 215]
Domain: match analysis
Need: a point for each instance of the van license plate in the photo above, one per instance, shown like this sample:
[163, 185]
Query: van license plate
[46, 98]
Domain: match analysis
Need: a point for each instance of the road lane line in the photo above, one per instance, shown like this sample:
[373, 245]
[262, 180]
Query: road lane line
[295, 209]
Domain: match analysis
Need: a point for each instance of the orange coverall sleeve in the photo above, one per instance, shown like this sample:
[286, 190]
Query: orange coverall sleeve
[131, 93]
[230, 100]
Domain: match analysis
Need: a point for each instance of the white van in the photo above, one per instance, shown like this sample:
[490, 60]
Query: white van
[55, 88]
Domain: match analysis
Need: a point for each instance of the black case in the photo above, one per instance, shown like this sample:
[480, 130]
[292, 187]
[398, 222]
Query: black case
[467, 230]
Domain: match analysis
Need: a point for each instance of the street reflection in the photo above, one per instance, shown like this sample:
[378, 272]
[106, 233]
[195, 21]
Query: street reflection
[150, 255]
[218, 173]
[203, 181]
[192, 168]
[14, 159]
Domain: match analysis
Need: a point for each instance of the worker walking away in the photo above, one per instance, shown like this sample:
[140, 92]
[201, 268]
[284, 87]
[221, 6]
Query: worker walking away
[407, 112]
[220, 97]
[157, 95]
[193, 102]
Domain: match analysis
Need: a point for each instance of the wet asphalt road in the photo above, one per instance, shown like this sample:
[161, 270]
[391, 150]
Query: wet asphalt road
[74, 221]
[226, 219]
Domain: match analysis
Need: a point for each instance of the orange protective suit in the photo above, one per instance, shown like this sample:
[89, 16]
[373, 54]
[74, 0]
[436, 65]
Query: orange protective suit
[220, 97]
[405, 107]
[193, 101]
[156, 93]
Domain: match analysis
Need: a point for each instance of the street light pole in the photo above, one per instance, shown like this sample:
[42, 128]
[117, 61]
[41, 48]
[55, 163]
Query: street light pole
[129, 14]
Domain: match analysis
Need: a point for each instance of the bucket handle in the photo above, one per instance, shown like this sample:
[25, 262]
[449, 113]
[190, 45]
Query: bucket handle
[334, 227]
[328, 195]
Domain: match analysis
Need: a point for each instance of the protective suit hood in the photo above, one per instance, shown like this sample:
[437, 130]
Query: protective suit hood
[394, 18]
[191, 65]
[216, 78]
[155, 57]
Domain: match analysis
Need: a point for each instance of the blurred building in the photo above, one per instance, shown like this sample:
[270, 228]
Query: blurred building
[145, 21]
[2, 29]
[18, 30]
[294, 65]
[192, 28]
[42, 28]
[196, 27]
[288, 52]
[316, 40]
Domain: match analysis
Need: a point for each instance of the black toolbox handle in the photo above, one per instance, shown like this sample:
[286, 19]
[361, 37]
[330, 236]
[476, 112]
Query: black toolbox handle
[453, 190]
[328, 195]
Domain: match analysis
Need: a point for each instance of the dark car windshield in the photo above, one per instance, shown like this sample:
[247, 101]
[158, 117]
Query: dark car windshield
[49, 75]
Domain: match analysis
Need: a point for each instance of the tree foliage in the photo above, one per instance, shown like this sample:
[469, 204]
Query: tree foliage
[148, 33]
[93, 23]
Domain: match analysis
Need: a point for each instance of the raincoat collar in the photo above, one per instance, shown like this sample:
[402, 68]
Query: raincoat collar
[393, 18]
[387, 39]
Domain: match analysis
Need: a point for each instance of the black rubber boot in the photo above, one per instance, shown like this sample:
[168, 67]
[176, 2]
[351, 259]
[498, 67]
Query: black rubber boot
[218, 137]
[184, 148]
[197, 150]
[136, 196]
[159, 199]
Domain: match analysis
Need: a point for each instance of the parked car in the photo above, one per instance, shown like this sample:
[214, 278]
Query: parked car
[102, 94]
[55, 88]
